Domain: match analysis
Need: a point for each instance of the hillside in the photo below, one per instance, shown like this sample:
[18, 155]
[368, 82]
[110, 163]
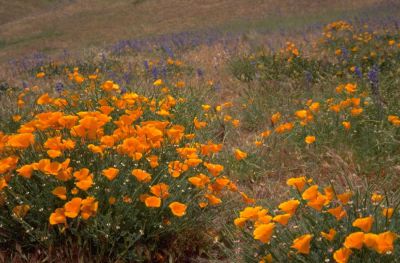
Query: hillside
[52, 26]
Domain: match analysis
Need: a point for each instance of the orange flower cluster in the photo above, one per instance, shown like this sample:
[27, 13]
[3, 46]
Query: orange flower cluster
[92, 149]
[329, 202]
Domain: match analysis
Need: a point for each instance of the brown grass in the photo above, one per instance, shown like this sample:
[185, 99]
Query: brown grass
[40, 26]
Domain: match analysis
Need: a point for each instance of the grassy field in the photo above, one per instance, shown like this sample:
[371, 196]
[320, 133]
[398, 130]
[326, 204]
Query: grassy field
[51, 26]
[199, 131]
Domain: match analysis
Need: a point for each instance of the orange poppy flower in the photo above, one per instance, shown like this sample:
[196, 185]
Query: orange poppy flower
[337, 212]
[20, 211]
[289, 206]
[199, 124]
[178, 209]
[89, 207]
[239, 155]
[310, 193]
[26, 171]
[153, 160]
[112, 200]
[329, 236]
[160, 190]
[214, 169]
[247, 199]
[85, 183]
[73, 207]
[376, 198]
[345, 197]
[298, 182]
[264, 232]
[309, 139]
[302, 244]
[364, 223]
[240, 222]
[199, 180]
[44, 99]
[342, 255]
[110, 173]
[21, 141]
[354, 240]
[384, 242]
[212, 199]
[60, 192]
[387, 212]
[141, 175]
[275, 118]
[318, 202]
[58, 217]
[346, 125]
[153, 201]
[282, 219]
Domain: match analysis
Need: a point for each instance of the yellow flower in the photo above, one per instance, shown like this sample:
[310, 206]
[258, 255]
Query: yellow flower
[206, 107]
[158, 82]
[376, 198]
[302, 244]
[364, 223]
[263, 232]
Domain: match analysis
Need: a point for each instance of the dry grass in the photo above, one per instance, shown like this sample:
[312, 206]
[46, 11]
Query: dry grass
[75, 24]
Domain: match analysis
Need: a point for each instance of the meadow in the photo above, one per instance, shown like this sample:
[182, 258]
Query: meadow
[266, 133]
